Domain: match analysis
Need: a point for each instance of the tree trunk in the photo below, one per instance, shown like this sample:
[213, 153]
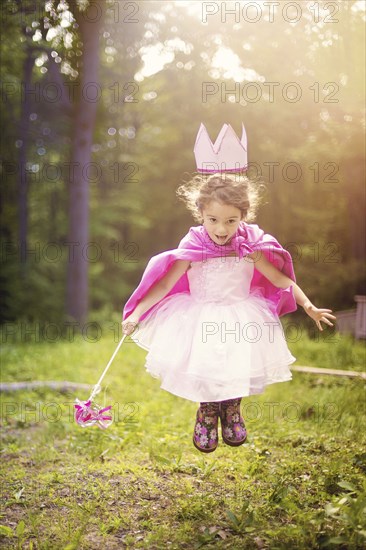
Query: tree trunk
[64, 386]
[355, 192]
[90, 23]
[22, 175]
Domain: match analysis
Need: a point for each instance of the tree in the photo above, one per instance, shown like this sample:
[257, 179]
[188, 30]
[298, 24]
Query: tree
[85, 108]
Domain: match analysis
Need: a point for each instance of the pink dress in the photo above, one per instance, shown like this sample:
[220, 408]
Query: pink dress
[218, 341]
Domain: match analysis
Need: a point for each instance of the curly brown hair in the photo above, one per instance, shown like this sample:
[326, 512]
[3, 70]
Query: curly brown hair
[231, 189]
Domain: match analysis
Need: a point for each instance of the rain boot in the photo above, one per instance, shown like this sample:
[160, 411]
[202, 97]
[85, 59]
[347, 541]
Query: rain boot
[205, 436]
[232, 423]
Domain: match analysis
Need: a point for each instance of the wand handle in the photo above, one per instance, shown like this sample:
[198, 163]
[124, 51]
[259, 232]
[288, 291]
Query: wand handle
[96, 388]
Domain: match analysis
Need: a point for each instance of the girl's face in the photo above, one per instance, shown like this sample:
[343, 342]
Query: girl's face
[221, 221]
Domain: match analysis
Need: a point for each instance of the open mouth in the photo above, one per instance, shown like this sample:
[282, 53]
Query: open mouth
[221, 238]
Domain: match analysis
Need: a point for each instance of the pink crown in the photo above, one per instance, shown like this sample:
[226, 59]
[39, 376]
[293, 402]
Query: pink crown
[227, 154]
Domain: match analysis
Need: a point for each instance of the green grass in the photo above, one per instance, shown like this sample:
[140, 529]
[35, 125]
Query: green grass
[298, 482]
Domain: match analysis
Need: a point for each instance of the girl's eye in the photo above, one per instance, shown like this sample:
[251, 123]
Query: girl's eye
[212, 220]
[231, 221]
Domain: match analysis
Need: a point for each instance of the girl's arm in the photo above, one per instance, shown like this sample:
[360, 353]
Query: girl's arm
[278, 279]
[158, 291]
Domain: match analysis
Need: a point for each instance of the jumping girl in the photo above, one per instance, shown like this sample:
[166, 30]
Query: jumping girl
[208, 312]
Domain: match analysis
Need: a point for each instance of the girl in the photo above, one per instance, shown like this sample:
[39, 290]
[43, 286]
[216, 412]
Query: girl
[208, 312]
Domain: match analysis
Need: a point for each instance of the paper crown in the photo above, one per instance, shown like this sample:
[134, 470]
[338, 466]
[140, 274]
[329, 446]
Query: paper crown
[227, 154]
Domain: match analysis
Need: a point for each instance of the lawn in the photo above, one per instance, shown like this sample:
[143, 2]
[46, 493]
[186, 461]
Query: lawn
[297, 483]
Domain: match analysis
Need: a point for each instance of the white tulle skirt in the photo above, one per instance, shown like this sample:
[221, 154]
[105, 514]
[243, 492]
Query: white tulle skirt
[206, 351]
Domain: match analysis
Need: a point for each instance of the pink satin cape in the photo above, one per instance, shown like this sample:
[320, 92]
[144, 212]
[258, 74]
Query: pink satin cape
[196, 246]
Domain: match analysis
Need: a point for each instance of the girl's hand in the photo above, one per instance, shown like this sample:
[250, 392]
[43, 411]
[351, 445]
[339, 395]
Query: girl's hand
[129, 325]
[319, 315]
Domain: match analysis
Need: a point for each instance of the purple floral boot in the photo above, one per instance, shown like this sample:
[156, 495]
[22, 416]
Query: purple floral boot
[232, 423]
[205, 437]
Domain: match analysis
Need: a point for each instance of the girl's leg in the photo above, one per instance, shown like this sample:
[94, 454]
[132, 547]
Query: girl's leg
[232, 423]
[205, 436]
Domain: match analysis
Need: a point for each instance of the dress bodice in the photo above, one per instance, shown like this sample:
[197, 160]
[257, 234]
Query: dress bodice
[224, 279]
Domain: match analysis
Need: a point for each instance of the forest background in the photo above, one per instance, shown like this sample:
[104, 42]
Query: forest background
[101, 103]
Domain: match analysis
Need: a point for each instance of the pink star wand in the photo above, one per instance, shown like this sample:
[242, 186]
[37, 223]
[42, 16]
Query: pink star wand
[88, 413]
